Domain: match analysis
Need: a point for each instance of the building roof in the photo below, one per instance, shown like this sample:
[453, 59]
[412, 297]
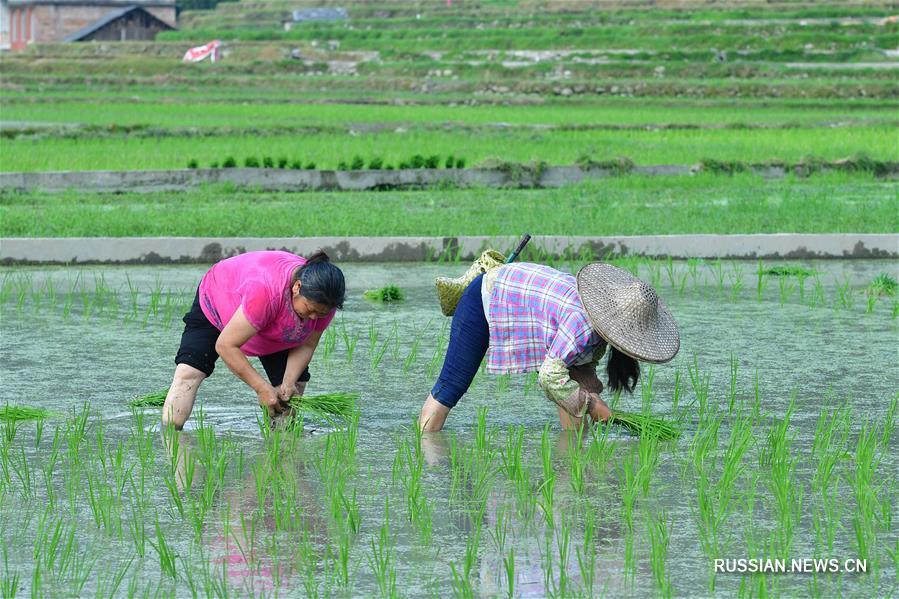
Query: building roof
[111, 3]
[106, 20]
[319, 14]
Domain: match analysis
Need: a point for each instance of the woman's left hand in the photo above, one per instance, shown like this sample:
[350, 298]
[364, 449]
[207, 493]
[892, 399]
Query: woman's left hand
[285, 392]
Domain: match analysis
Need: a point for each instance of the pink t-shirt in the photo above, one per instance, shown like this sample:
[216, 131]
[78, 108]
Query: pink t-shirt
[260, 282]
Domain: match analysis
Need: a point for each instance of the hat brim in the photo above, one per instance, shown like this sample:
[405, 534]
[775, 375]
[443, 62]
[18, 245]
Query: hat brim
[657, 341]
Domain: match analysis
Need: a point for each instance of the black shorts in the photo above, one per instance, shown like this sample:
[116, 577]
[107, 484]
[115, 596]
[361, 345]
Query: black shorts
[198, 347]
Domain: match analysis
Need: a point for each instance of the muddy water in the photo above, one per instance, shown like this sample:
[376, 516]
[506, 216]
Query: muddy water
[824, 356]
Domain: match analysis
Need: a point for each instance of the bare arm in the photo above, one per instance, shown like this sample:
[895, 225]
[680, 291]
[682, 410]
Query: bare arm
[297, 360]
[237, 332]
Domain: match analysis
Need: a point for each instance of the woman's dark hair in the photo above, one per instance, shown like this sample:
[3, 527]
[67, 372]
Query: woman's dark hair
[321, 282]
[623, 371]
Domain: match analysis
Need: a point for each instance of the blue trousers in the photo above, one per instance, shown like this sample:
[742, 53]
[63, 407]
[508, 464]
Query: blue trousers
[469, 337]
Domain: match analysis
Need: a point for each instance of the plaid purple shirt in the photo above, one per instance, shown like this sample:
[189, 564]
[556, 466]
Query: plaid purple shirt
[535, 312]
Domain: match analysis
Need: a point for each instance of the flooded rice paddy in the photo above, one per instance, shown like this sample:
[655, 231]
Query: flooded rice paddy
[785, 389]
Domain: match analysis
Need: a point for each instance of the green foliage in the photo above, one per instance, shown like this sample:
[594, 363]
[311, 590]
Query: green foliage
[631, 205]
[229, 162]
[883, 284]
[251, 162]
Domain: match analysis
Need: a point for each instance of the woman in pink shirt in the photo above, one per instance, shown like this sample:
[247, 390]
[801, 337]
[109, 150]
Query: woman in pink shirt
[273, 305]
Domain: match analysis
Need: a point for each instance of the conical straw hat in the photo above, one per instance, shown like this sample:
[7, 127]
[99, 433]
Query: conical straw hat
[628, 313]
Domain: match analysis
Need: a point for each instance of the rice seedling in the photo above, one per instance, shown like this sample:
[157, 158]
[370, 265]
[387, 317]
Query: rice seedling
[736, 281]
[165, 552]
[413, 354]
[387, 294]
[577, 460]
[865, 488]
[732, 394]
[882, 285]
[509, 568]
[870, 301]
[349, 341]
[600, 449]
[785, 490]
[660, 540]
[717, 268]
[761, 280]
[586, 553]
[547, 485]
[416, 502]
[461, 582]
[563, 544]
[844, 295]
[786, 286]
[109, 583]
[629, 492]
[439, 350]
[328, 342]
[648, 450]
[829, 446]
[381, 559]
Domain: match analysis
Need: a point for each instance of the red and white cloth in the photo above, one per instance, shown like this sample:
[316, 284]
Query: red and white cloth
[201, 52]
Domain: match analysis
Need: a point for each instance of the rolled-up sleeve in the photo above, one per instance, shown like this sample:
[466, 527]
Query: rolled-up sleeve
[555, 381]
[554, 377]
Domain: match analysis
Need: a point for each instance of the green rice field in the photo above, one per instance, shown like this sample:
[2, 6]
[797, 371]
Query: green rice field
[776, 472]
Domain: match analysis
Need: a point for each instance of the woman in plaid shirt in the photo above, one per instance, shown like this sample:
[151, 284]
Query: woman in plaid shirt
[528, 317]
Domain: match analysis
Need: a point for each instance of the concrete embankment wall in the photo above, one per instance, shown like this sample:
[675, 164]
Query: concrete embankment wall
[198, 250]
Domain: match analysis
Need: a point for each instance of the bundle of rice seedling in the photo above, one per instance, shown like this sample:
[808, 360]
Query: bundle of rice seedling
[789, 270]
[645, 425]
[16, 413]
[390, 293]
[151, 400]
[883, 284]
[328, 404]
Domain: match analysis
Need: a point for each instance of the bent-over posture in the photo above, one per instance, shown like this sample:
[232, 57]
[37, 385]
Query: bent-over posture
[270, 304]
[528, 317]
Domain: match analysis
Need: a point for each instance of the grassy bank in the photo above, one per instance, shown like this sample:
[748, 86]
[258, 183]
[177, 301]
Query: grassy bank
[631, 205]
[555, 147]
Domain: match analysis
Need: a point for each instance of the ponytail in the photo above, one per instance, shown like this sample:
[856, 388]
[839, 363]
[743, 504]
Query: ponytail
[623, 371]
[321, 282]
